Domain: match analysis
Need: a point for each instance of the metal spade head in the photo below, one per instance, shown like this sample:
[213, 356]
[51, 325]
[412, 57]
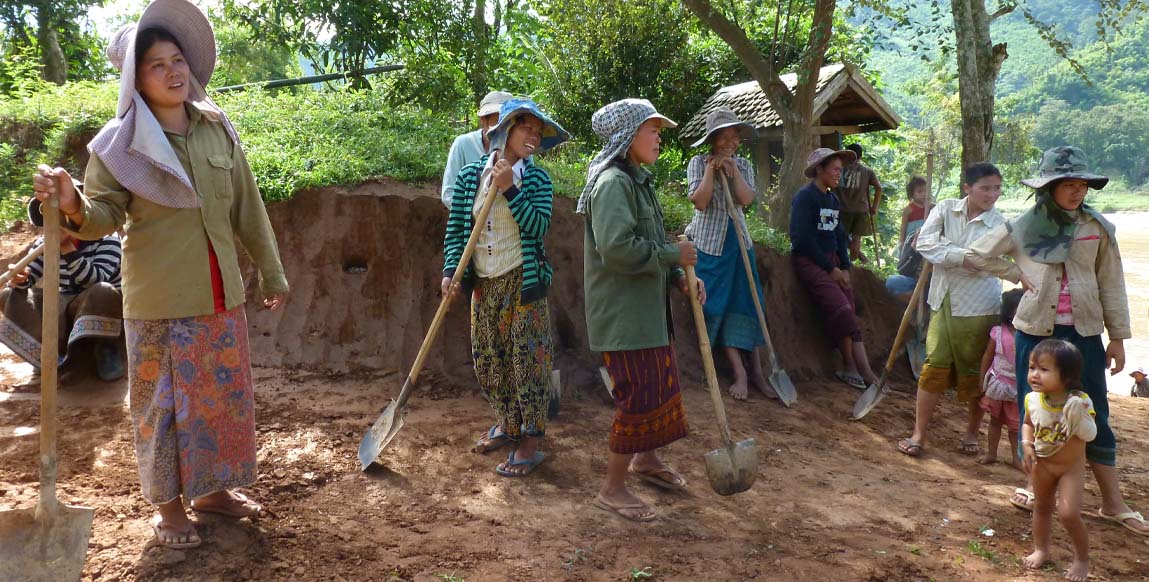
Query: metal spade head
[783, 387]
[380, 435]
[732, 469]
[869, 399]
[49, 547]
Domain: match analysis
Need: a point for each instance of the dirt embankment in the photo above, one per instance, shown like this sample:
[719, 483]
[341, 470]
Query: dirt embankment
[365, 267]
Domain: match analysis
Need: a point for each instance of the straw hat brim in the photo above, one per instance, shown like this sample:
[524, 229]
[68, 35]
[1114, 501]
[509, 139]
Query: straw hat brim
[848, 157]
[189, 25]
[745, 130]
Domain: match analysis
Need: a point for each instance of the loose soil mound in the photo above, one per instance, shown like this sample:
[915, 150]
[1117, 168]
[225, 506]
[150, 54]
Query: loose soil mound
[365, 269]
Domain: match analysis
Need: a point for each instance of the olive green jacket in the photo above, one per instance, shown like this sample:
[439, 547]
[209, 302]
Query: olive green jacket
[628, 264]
[166, 269]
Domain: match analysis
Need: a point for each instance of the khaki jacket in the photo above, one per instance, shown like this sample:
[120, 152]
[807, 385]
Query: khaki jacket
[1096, 281]
[166, 272]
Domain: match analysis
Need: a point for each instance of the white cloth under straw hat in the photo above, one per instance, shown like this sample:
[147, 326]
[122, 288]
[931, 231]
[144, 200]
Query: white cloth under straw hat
[133, 145]
[616, 123]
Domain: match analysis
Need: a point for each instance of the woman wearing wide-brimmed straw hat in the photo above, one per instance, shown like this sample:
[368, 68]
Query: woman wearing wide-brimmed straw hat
[1065, 253]
[170, 162]
[820, 251]
[731, 319]
[629, 265]
[509, 276]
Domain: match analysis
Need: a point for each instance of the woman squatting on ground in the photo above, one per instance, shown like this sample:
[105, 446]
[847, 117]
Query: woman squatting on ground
[629, 265]
[171, 164]
[509, 278]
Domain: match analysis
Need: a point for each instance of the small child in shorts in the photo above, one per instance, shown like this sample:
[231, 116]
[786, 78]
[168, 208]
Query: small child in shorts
[1059, 420]
[1000, 381]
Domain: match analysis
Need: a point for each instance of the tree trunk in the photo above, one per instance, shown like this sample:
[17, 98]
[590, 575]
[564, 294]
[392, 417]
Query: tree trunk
[979, 62]
[51, 55]
[795, 109]
[481, 31]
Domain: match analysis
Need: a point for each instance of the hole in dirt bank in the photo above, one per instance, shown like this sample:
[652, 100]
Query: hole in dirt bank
[355, 266]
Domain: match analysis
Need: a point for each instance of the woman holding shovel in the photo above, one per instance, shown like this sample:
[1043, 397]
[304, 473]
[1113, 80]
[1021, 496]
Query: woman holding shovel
[509, 276]
[731, 320]
[1066, 256]
[171, 163]
[629, 264]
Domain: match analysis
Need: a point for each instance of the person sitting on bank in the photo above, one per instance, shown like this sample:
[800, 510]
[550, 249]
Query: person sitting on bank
[469, 147]
[91, 304]
[820, 254]
[858, 210]
[731, 318]
[1140, 384]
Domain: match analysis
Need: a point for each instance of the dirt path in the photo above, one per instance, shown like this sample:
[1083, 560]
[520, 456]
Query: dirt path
[833, 500]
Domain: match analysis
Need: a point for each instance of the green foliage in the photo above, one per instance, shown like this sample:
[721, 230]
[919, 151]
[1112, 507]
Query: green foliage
[242, 59]
[82, 47]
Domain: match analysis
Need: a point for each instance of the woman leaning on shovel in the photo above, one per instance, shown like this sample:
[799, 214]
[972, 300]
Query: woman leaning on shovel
[171, 163]
[731, 319]
[628, 266]
[1066, 256]
[510, 274]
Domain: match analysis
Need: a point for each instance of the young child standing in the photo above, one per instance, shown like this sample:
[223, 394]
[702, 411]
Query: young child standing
[1000, 381]
[914, 214]
[1058, 423]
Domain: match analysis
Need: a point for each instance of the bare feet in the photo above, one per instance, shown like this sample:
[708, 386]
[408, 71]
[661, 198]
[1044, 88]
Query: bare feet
[738, 390]
[176, 536]
[1078, 571]
[988, 458]
[758, 381]
[1036, 560]
[228, 503]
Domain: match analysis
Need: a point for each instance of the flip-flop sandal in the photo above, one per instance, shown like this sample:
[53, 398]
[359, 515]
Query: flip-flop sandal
[530, 464]
[166, 535]
[970, 449]
[908, 447]
[1027, 494]
[676, 483]
[1121, 517]
[246, 507]
[618, 510]
[494, 439]
[852, 379]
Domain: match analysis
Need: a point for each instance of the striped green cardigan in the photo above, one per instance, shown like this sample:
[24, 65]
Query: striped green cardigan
[531, 207]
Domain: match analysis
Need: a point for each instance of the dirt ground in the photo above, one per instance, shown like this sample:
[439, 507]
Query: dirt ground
[834, 500]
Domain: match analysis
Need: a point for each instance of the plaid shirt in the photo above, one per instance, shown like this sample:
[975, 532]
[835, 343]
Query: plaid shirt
[943, 241]
[708, 227]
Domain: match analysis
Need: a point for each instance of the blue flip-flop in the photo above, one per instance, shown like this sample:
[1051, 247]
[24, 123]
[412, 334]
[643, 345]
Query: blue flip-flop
[530, 464]
[495, 439]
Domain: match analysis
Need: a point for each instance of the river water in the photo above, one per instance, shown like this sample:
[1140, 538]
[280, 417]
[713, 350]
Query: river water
[1133, 238]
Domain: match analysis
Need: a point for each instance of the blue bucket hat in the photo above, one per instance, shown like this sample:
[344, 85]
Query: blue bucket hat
[553, 133]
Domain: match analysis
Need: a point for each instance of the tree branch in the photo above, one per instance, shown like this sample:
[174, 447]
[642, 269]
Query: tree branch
[1002, 10]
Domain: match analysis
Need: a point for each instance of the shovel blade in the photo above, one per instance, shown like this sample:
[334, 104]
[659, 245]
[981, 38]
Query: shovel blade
[916, 354]
[869, 400]
[51, 548]
[380, 435]
[784, 387]
[732, 469]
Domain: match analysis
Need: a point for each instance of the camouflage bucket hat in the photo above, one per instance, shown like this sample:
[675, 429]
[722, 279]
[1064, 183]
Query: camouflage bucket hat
[1065, 162]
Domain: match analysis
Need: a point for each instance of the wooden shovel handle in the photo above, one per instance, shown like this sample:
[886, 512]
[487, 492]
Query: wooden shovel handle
[707, 355]
[750, 280]
[445, 304]
[23, 264]
[922, 277]
[49, 356]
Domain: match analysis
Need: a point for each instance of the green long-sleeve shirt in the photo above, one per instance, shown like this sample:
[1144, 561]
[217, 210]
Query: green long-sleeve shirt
[166, 269]
[628, 263]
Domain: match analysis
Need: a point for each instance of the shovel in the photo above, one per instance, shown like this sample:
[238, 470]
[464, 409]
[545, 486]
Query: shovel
[778, 377]
[874, 394]
[732, 468]
[47, 542]
[391, 420]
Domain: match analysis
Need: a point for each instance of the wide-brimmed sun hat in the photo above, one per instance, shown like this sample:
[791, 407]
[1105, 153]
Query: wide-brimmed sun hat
[617, 123]
[819, 155]
[1138, 371]
[1063, 163]
[553, 134]
[492, 102]
[184, 21]
[721, 118]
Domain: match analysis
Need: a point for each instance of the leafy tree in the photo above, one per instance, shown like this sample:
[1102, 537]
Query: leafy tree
[55, 32]
[243, 58]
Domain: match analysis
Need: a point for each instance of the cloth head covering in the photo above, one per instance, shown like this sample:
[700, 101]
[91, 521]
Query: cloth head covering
[553, 134]
[133, 145]
[721, 118]
[616, 123]
[1046, 231]
[819, 155]
[1138, 371]
[492, 102]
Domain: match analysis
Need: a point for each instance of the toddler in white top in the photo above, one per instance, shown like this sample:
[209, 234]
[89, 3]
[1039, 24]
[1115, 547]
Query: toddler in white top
[1058, 423]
